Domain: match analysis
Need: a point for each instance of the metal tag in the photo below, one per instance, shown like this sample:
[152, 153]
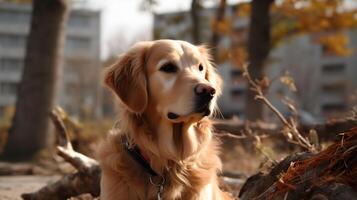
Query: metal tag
[160, 186]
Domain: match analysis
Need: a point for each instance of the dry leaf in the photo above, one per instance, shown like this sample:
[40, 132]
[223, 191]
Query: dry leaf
[288, 81]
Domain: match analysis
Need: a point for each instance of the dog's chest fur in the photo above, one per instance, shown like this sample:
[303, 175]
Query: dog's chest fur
[193, 178]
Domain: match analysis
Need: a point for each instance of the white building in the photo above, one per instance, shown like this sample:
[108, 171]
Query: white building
[326, 83]
[79, 85]
[323, 81]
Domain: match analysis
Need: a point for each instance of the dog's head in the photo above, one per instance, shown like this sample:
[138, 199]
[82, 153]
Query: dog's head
[173, 78]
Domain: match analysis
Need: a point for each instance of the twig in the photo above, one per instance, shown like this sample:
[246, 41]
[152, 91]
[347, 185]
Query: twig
[258, 143]
[79, 161]
[234, 175]
[62, 134]
[297, 138]
[65, 149]
[230, 135]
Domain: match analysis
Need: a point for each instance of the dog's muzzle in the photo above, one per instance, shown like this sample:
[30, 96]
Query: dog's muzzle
[203, 96]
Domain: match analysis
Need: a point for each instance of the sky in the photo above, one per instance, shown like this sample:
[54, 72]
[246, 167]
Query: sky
[124, 18]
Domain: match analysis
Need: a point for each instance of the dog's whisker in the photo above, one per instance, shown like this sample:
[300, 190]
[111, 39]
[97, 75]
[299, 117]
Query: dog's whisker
[221, 114]
[217, 113]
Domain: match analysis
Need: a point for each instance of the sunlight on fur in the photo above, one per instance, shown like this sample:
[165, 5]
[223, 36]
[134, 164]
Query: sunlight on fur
[167, 90]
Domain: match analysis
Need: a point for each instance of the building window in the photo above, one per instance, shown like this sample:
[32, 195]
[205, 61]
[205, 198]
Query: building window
[14, 17]
[10, 65]
[334, 107]
[236, 77]
[336, 68]
[74, 42]
[12, 40]
[79, 21]
[334, 88]
[237, 94]
[8, 88]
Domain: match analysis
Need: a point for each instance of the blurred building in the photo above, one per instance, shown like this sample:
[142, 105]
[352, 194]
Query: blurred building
[79, 91]
[325, 82]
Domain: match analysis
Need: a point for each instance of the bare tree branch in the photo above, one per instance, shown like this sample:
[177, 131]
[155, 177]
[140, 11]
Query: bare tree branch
[62, 135]
[86, 180]
[290, 130]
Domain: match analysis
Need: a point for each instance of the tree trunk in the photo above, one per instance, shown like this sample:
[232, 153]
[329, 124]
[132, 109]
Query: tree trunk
[258, 50]
[215, 35]
[195, 18]
[37, 90]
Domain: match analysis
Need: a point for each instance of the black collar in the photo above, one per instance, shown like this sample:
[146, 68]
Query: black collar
[134, 152]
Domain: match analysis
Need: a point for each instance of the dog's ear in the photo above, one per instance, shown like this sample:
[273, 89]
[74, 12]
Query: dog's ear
[128, 80]
[211, 74]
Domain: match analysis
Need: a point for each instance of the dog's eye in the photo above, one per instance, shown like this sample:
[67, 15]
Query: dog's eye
[200, 67]
[169, 68]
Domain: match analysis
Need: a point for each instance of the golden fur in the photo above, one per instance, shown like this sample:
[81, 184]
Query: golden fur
[183, 150]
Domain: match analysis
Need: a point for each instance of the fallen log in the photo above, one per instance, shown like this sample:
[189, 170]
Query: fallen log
[330, 174]
[16, 169]
[331, 129]
[85, 180]
[326, 131]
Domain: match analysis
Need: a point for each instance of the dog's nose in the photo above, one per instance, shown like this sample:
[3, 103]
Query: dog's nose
[204, 90]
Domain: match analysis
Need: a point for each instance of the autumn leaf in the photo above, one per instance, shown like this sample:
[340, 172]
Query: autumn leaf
[243, 10]
[222, 26]
[287, 80]
[291, 17]
[336, 44]
[239, 55]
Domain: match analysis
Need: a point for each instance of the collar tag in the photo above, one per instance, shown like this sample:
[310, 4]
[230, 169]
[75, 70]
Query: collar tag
[160, 186]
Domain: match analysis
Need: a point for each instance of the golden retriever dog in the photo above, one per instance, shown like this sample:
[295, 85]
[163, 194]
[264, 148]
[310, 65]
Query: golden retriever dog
[164, 146]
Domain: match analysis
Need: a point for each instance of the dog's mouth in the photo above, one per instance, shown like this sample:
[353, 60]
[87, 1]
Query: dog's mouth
[172, 115]
[203, 111]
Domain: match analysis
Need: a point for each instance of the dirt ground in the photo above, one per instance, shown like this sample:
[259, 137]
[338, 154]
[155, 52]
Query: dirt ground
[11, 187]
[238, 156]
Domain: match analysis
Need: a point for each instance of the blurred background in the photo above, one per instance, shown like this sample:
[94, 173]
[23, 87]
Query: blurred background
[302, 52]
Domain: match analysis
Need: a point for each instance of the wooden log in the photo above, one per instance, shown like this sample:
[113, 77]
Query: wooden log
[86, 180]
[326, 131]
[329, 174]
